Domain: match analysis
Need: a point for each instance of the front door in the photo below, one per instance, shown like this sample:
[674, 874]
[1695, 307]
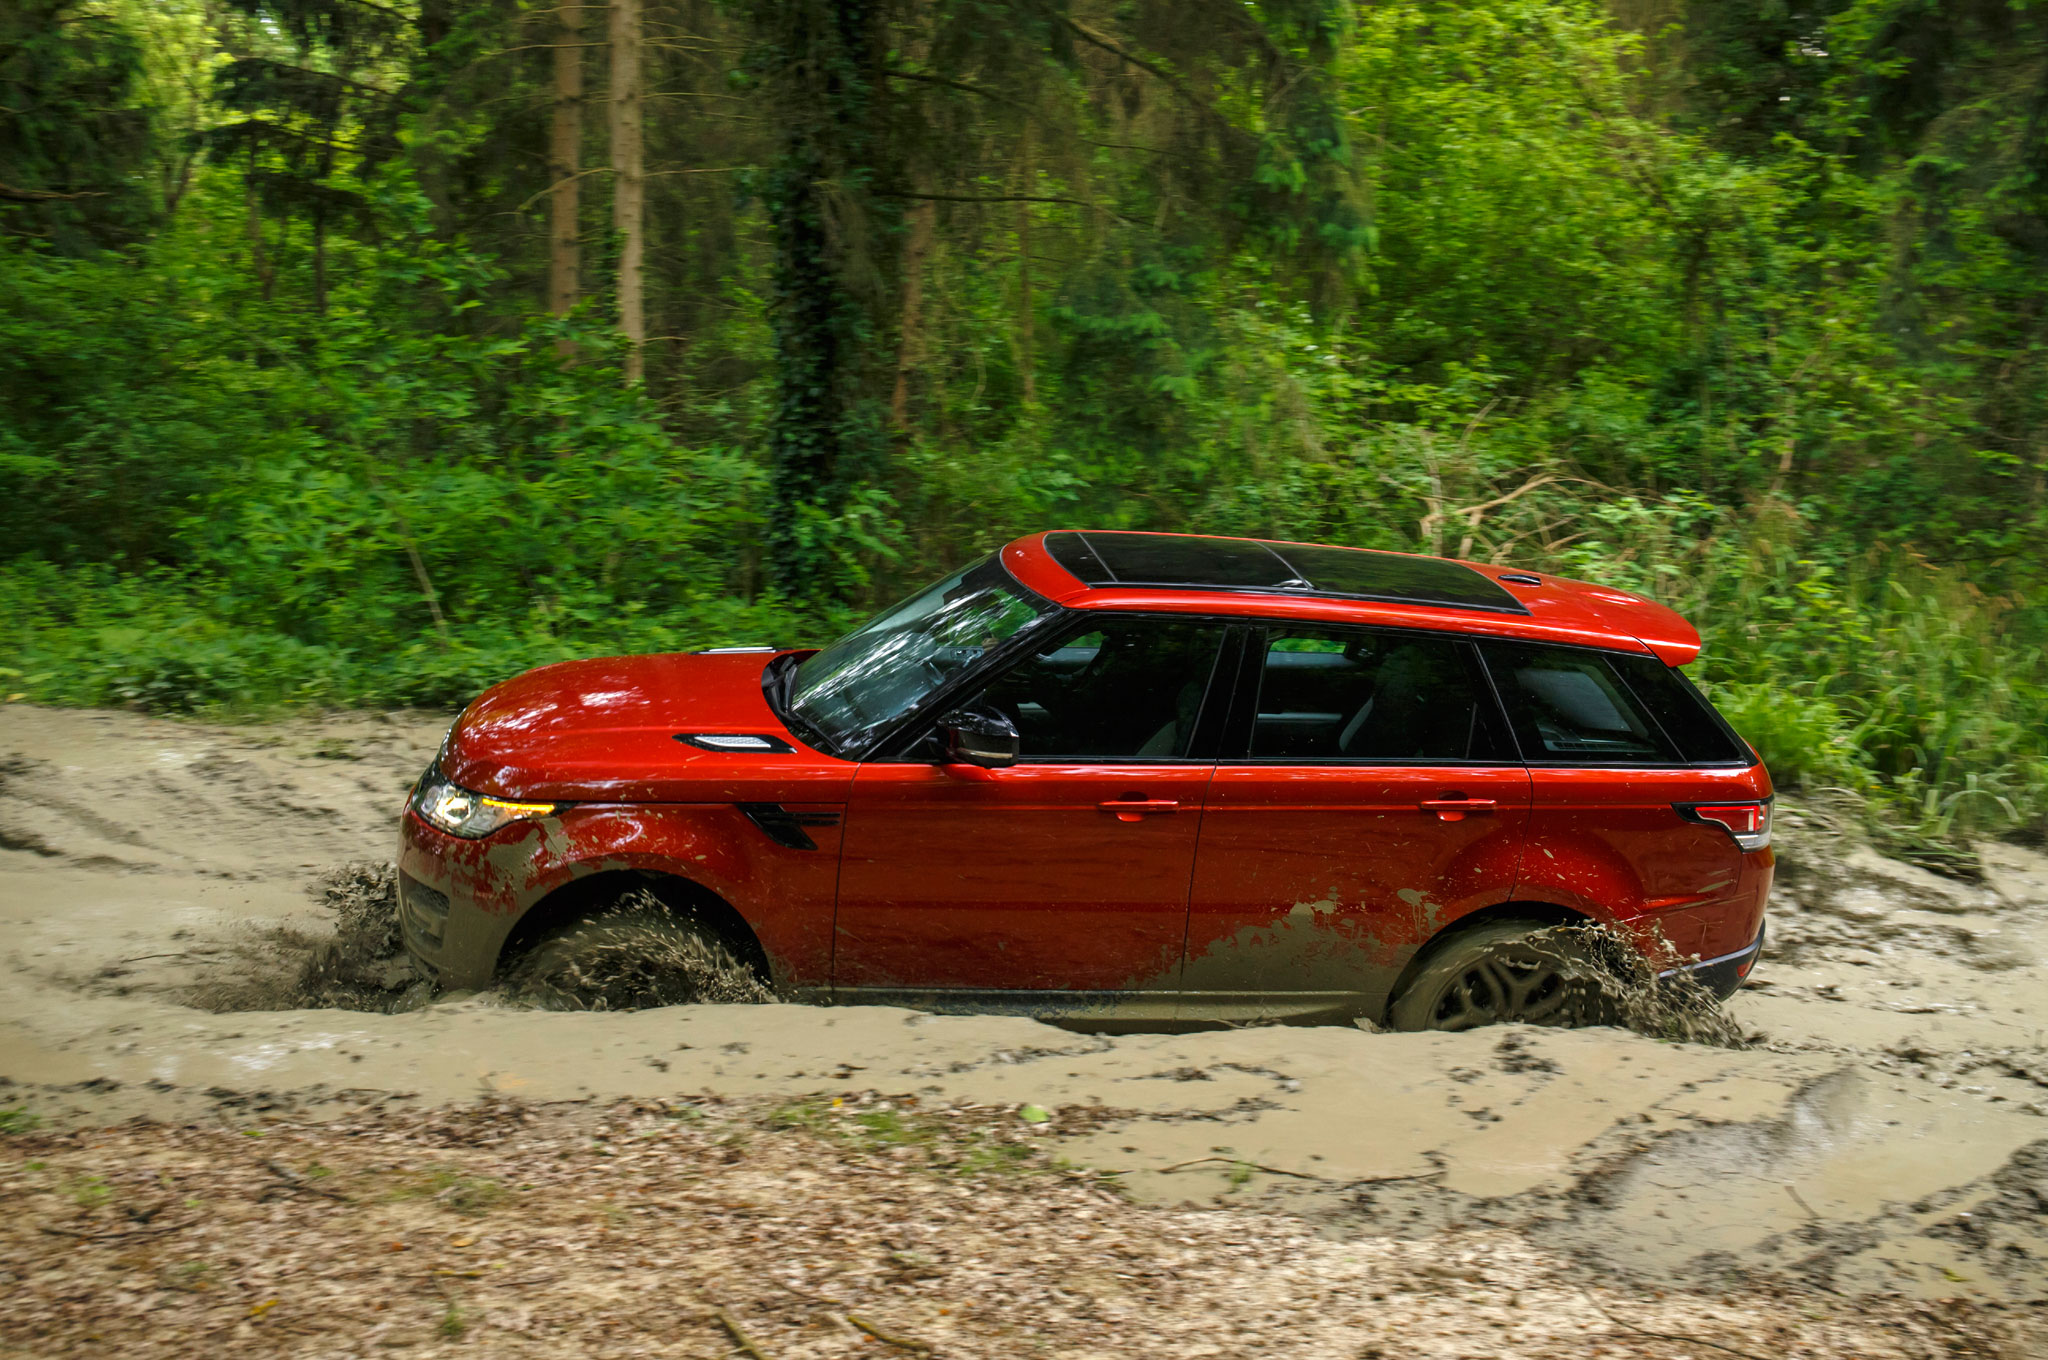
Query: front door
[1369, 796]
[1060, 883]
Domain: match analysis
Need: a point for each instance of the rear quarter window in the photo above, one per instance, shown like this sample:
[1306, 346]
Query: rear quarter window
[1570, 706]
[1703, 737]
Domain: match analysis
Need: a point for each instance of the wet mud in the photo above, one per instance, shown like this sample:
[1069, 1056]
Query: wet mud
[197, 919]
[357, 964]
[634, 955]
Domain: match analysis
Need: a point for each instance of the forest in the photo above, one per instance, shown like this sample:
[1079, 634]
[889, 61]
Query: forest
[364, 352]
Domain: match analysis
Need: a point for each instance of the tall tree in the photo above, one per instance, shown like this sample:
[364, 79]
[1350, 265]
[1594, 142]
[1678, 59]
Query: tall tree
[565, 165]
[74, 139]
[629, 190]
[834, 273]
[887, 103]
[313, 80]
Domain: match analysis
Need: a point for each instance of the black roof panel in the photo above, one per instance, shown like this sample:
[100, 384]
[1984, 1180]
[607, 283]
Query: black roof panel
[1190, 563]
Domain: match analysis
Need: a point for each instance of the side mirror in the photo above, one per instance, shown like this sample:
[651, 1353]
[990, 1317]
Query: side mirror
[988, 740]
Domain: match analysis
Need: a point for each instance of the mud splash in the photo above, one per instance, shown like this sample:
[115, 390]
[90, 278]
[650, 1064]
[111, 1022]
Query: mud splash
[1622, 988]
[635, 956]
[360, 966]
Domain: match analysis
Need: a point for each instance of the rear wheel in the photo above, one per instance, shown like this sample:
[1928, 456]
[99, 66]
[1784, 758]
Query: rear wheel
[632, 956]
[1502, 971]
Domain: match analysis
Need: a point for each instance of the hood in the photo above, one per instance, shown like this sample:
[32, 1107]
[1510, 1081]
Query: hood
[604, 730]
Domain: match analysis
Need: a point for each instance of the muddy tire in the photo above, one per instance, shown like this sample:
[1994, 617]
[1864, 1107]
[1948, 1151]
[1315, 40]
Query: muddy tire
[634, 956]
[1502, 971]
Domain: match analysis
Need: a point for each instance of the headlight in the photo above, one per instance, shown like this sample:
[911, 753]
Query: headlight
[459, 812]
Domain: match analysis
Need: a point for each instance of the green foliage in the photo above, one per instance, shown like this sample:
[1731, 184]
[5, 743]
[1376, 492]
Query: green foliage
[74, 145]
[1805, 739]
[1741, 306]
[346, 512]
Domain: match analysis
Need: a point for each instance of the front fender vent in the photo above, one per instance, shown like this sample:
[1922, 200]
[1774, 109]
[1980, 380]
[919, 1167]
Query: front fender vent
[736, 743]
[784, 827]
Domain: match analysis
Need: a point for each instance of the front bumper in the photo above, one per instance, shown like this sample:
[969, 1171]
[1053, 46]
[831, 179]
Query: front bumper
[454, 906]
[1725, 975]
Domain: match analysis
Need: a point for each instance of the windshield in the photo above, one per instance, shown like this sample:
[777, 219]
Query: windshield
[896, 660]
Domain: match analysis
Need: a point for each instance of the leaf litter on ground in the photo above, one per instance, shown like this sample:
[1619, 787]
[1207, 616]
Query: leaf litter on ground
[646, 1228]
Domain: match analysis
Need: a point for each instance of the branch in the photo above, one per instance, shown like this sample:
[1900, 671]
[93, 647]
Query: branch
[953, 84]
[562, 183]
[533, 47]
[1174, 82]
[1257, 1166]
[901, 1342]
[1005, 198]
[299, 69]
[10, 194]
[652, 174]
[401, 16]
[1689, 1340]
[747, 1343]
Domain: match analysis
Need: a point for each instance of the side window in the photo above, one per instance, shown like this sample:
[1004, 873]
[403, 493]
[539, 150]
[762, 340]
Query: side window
[1132, 689]
[1703, 737]
[1345, 694]
[1570, 705]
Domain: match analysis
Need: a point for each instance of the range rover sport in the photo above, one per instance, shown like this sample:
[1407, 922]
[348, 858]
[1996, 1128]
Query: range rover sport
[1128, 779]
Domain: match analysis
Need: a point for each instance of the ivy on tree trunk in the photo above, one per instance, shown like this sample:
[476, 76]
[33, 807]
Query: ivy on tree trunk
[835, 243]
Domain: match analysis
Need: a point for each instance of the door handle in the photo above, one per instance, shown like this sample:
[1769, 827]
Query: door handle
[1133, 809]
[1454, 809]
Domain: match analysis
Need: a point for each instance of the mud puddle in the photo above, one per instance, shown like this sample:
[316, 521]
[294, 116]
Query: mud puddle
[1879, 1126]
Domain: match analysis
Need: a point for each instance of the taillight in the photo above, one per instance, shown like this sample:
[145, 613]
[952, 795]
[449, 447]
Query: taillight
[1748, 823]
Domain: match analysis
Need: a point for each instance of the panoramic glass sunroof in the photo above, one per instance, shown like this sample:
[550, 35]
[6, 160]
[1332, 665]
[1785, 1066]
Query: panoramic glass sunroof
[1122, 559]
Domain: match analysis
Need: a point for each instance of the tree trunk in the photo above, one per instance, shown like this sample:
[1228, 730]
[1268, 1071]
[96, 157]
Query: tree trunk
[909, 338]
[565, 161]
[264, 273]
[427, 100]
[836, 289]
[329, 133]
[319, 258]
[628, 189]
[1024, 305]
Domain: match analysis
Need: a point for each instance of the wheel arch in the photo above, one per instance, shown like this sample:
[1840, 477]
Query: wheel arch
[683, 898]
[1521, 909]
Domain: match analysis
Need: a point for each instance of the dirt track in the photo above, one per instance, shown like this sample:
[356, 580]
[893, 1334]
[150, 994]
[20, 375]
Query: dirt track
[1883, 1134]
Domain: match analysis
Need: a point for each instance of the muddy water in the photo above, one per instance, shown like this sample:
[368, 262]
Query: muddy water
[1884, 1129]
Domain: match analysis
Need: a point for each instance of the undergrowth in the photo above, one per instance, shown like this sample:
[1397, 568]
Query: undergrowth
[1875, 673]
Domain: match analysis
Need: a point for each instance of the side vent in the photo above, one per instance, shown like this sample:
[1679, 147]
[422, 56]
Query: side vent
[736, 743]
[784, 827]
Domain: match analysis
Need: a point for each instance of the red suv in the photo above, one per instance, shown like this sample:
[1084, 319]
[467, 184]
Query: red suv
[1128, 779]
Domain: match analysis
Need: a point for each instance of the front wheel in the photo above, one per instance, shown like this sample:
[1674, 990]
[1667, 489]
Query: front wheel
[633, 956]
[1504, 971]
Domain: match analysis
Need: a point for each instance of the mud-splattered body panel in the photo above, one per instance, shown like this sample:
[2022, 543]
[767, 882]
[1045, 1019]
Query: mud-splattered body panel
[1314, 885]
[1607, 844]
[784, 894]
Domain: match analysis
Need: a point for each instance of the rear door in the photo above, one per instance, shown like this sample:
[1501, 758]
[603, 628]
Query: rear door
[1368, 793]
[1060, 883]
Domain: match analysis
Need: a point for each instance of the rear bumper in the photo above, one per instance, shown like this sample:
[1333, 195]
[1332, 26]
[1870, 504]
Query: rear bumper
[1725, 975]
